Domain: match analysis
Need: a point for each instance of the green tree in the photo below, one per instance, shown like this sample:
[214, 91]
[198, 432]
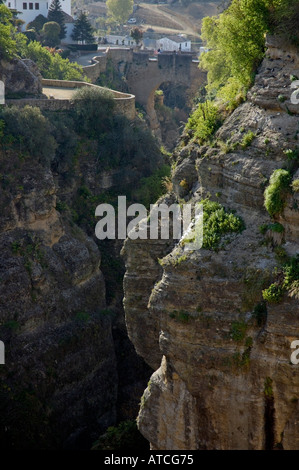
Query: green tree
[16, 22]
[236, 41]
[136, 34]
[50, 66]
[37, 23]
[56, 14]
[120, 10]
[7, 43]
[83, 31]
[50, 34]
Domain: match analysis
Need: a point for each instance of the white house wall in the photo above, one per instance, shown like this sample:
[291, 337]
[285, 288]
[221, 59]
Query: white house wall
[66, 6]
[29, 10]
[120, 40]
[168, 45]
[69, 31]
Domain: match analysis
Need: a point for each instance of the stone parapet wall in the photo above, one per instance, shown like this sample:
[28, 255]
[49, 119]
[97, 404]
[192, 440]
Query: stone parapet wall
[93, 71]
[124, 102]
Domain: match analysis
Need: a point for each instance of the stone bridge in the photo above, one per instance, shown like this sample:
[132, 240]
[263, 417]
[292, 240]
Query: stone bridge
[144, 73]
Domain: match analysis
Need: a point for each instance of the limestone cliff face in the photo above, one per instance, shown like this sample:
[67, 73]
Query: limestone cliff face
[223, 376]
[21, 76]
[59, 345]
[70, 369]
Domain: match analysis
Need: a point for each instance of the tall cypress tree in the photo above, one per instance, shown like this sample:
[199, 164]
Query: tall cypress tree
[56, 14]
[82, 29]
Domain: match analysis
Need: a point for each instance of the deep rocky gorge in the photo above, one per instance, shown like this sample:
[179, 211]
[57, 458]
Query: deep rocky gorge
[223, 377]
[70, 370]
[221, 355]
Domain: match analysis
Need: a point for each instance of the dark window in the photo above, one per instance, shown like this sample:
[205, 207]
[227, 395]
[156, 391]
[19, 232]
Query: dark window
[24, 6]
[37, 6]
[9, 4]
[30, 6]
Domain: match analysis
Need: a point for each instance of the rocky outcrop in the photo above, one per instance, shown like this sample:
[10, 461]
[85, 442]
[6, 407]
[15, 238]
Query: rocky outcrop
[224, 378]
[59, 345]
[143, 271]
[21, 77]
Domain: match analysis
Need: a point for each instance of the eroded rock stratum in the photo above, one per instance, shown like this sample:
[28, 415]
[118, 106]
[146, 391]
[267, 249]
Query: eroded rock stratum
[223, 379]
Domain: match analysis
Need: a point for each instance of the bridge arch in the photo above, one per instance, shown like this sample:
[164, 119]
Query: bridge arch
[146, 75]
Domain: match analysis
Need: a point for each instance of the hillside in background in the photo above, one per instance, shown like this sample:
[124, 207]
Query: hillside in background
[174, 18]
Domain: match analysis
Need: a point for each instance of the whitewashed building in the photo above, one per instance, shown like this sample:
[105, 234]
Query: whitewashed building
[29, 10]
[120, 40]
[69, 24]
[174, 43]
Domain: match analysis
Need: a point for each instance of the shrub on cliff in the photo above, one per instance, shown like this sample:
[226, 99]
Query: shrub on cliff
[30, 131]
[124, 436]
[204, 121]
[273, 294]
[218, 222]
[152, 187]
[288, 282]
[93, 110]
[275, 193]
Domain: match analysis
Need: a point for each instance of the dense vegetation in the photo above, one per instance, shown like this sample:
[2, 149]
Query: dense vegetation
[235, 40]
[51, 64]
[7, 43]
[204, 121]
[218, 222]
[124, 437]
[287, 282]
[120, 10]
[54, 138]
[81, 145]
[218, 225]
